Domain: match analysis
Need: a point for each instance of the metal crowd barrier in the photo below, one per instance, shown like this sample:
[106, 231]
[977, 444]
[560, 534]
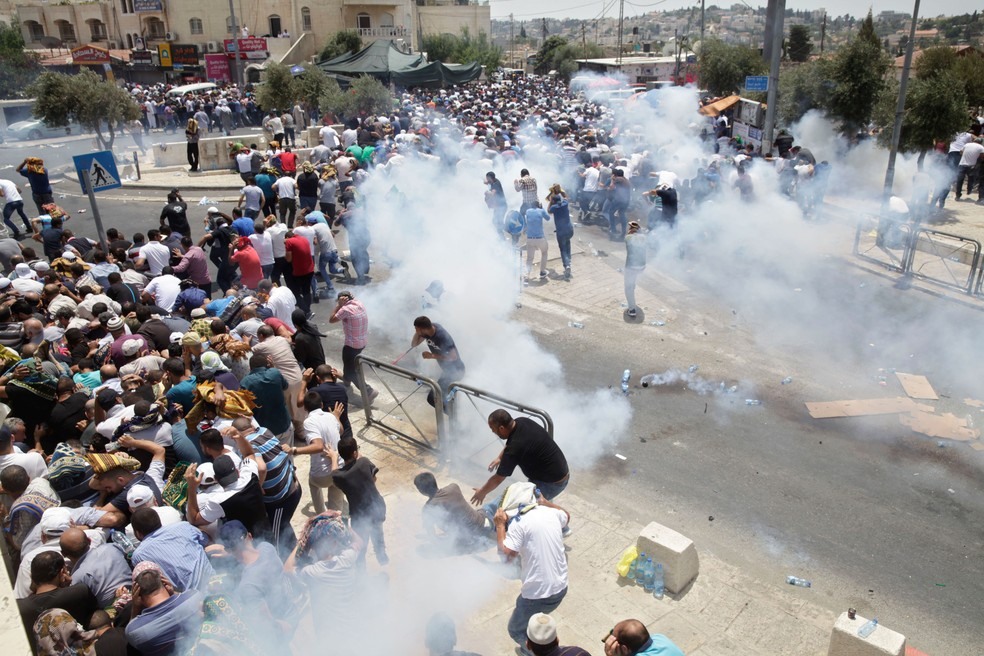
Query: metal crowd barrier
[473, 393]
[422, 384]
[947, 252]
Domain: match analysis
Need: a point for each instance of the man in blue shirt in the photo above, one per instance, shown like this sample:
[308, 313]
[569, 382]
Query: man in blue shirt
[565, 230]
[631, 637]
[268, 385]
[535, 239]
[162, 617]
[178, 548]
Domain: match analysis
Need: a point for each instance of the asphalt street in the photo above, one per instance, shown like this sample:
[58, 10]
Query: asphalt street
[877, 517]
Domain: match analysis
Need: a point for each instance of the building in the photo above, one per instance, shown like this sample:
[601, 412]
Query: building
[961, 51]
[144, 26]
[638, 70]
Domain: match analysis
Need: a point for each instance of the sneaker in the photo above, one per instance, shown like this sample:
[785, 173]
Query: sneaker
[633, 313]
[316, 299]
[567, 273]
[543, 274]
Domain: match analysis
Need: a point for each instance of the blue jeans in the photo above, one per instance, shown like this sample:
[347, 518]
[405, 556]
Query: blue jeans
[527, 608]
[323, 261]
[564, 243]
[619, 209]
[8, 211]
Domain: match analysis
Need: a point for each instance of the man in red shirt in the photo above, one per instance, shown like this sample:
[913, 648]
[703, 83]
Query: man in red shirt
[298, 254]
[248, 260]
[288, 162]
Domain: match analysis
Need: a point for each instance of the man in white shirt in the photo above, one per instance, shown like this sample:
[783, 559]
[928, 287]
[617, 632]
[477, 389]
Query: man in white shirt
[32, 461]
[286, 190]
[275, 127]
[321, 429]
[14, 202]
[163, 290]
[537, 538]
[968, 168]
[349, 137]
[278, 232]
[153, 254]
[278, 301]
[329, 137]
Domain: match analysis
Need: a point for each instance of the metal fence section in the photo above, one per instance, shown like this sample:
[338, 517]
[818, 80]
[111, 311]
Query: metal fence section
[395, 380]
[459, 391]
[882, 241]
[944, 258]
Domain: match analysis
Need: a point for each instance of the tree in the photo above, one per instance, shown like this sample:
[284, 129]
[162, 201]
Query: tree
[477, 49]
[85, 98]
[310, 85]
[802, 88]
[440, 47]
[933, 61]
[800, 43]
[935, 110]
[970, 71]
[867, 32]
[278, 89]
[559, 54]
[859, 75]
[19, 68]
[366, 96]
[723, 67]
[342, 42]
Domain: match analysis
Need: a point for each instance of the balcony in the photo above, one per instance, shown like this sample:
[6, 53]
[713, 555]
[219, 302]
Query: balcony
[386, 32]
[371, 3]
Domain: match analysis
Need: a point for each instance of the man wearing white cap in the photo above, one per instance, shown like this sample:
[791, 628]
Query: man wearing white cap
[26, 281]
[54, 522]
[541, 638]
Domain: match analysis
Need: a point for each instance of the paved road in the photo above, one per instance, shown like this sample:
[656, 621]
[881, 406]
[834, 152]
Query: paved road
[860, 506]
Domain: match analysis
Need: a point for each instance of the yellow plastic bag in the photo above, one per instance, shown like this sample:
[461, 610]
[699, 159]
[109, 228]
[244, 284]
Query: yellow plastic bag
[625, 561]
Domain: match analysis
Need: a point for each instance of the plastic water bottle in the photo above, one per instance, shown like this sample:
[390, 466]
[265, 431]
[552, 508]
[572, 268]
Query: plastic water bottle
[868, 628]
[640, 569]
[659, 581]
[647, 380]
[693, 368]
[126, 544]
[795, 580]
[787, 380]
[625, 381]
[575, 324]
[648, 576]
[633, 566]
[752, 402]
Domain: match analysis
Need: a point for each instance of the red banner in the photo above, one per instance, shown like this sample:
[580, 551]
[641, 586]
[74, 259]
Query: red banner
[250, 48]
[90, 55]
[217, 68]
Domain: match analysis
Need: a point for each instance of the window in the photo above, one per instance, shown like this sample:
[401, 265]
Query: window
[155, 28]
[129, 41]
[66, 31]
[97, 29]
[35, 29]
[363, 21]
[305, 19]
[196, 26]
[386, 19]
[274, 25]
[123, 6]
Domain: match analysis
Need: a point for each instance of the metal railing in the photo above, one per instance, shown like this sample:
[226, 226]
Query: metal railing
[421, 438]
[888, 236]
[386, 32]
[473, 393]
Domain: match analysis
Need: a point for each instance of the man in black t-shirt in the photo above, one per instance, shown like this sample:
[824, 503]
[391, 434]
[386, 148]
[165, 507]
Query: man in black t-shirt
[324, 380]
[532, 449]
[175, 214]
[442, 348]
[52, 585]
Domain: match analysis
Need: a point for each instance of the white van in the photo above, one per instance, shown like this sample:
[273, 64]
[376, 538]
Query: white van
[201, 87]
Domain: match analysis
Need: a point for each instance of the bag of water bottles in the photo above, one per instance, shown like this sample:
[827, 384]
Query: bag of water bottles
[625, 562]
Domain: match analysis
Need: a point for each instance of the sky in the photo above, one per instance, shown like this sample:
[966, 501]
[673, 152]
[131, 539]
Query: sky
[585, 9]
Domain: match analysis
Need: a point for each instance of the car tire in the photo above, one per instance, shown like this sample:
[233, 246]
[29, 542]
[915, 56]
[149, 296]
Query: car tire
[34, 134]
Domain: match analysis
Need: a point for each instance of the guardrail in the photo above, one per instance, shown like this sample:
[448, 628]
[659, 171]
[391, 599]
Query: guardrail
[932, 255]
[422, 438]
[473, 393]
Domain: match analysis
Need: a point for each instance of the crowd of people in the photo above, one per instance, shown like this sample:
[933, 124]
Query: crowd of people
[159, 395]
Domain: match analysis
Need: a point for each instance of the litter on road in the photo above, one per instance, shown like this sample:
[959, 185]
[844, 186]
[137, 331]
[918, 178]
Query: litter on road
[917, 387]
[620, 456]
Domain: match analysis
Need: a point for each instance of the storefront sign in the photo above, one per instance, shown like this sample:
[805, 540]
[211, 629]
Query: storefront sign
[141, 57]
[164, 55]
[185, 55]
[146, 5]
[217, 68]
[251, 48]
[90, 55]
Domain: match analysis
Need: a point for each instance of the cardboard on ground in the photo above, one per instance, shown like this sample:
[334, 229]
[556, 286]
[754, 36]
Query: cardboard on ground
[864, 407]
[948, 426]
[974, 403]
[917, 387]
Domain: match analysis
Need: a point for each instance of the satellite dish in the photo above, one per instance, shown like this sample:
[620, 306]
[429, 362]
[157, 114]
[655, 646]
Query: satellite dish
[51, 42]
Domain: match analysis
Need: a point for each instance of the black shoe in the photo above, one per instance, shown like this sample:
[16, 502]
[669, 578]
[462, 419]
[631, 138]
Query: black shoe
[633, 313]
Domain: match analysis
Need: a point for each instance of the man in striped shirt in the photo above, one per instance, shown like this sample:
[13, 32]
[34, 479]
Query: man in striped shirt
[355, 324]
[281, 491]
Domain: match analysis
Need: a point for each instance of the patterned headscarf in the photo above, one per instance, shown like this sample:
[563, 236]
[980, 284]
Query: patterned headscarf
[326, 527]
[104, 462]
[67, 468]
[35, 165]
[59, 634]
[138, 423]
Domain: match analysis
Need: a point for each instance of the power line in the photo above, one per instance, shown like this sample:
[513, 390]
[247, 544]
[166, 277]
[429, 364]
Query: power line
[556, 11]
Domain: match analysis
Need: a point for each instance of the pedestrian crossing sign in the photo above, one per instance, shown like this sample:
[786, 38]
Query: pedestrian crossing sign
[101, 168]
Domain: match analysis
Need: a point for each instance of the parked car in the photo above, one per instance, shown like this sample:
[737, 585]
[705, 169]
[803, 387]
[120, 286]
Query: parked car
[38, 129]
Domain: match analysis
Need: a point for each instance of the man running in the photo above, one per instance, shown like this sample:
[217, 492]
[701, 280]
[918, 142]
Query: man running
[442, 349]
[355, 324]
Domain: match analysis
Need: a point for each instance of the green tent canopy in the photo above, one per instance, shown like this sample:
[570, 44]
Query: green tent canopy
[382, 60]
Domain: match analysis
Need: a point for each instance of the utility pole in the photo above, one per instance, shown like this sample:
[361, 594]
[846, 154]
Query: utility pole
[584, 42]
[676, 45]
[823, 31]
[235, 46]
[512, 41]
[621, 16]
[773, 95]
[900, 111]
[701, 23]
[543, 29]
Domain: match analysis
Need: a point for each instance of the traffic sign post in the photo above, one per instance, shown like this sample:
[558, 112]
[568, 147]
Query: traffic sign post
[757, 83]
[97, 172]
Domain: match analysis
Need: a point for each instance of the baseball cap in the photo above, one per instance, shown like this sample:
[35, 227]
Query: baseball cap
[55, 521]
[541, 629]
[198, 313]
[213, 210]
[69, 255]
[175, 337]
[106, 398]
[138, 496]
[24, 270]
[41, 267]
[131, 347]
[232, 533]
[116, 323]
[207, 473]
[225, 470]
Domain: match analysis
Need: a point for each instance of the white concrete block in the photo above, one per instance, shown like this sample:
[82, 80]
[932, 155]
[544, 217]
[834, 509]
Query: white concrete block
[845, 641]
[677, 553]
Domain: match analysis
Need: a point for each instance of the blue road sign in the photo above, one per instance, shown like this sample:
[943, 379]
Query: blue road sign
[101, 168]
[757, 83]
